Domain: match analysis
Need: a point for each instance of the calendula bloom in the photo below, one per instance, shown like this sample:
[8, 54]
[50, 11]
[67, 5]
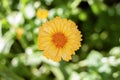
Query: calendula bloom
[42, 13]
[59, 38]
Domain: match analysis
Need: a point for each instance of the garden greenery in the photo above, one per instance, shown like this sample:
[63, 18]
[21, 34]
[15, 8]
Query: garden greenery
[97, 59]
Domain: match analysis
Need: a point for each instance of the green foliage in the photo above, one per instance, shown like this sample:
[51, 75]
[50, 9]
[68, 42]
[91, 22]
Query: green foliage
[97, 59]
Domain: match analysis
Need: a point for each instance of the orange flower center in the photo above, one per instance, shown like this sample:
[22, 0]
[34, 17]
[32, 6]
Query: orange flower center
[59, 39]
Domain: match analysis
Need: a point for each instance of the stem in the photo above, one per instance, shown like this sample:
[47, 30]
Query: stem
[75, 3]
[8, 74]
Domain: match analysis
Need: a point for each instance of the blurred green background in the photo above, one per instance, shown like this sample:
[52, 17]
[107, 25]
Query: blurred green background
[97, 59]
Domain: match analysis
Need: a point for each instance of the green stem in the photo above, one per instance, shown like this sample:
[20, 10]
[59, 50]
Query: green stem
[75, 3]
[6, 5]
[8, 74]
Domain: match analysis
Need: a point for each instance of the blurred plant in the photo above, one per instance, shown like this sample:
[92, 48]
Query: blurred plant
[41, 13]
[15, 18]
[19, 32]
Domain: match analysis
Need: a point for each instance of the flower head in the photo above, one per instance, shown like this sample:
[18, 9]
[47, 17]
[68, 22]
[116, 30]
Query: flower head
[59, 38]
[19, 32]
[42, 13]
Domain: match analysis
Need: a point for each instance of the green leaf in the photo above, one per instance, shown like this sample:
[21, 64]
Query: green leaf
[8, 74]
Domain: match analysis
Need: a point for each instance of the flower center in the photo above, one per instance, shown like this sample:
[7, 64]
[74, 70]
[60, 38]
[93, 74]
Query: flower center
[59, 39]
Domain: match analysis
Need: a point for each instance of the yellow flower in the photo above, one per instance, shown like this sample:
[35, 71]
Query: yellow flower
[19, 32]
[42, 14]
[59, 39]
